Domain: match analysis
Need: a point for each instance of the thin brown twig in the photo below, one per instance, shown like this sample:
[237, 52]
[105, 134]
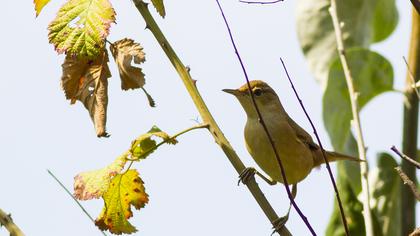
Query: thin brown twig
[7, 221]
[416, 232]
[357, 124]
[416, 5]
[405, 157]
[406, 180]
[77, 202]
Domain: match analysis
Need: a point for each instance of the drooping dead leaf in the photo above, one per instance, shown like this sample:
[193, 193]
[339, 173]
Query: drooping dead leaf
[125, 52]
[87, 81]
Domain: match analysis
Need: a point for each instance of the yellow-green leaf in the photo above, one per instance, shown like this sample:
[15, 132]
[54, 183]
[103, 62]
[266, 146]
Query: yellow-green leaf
[125, 190]
[145, 145]
[93, 184]
[39, 4]
[87, 81]
[125, 52]
[160, 8]
[81, 27]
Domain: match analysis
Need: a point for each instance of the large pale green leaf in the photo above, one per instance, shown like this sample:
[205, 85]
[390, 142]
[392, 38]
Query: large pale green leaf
[385, 198]
[81, 27]
[365, 21]
[385, 20]
[349, 187]
[352, 206]
[372, 75]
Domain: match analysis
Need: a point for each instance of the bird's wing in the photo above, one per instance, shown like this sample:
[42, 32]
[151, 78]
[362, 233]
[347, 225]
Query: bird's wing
[302, 134]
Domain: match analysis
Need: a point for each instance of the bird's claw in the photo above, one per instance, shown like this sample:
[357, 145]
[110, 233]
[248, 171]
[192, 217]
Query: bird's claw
[246, 175]
[279, 223]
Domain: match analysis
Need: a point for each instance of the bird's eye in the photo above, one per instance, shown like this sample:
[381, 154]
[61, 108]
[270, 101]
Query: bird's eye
[257, 92]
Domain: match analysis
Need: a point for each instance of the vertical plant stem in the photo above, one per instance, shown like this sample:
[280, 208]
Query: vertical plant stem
[410, 128]
[205, 114]
[6, 221]
[356, 120]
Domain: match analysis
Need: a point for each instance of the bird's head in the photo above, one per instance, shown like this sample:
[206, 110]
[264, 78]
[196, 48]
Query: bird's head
[265, 97]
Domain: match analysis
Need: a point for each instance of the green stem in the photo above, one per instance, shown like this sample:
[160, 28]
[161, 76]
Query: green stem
[214, 129]
[364, 168]
[127, 153]
[410, 127]
[71, 195]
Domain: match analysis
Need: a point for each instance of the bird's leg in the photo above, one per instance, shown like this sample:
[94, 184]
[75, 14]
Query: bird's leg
[280, 222]
[250, 172]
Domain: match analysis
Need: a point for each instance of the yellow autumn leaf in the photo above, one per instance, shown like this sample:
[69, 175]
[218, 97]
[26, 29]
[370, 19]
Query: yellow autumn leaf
[39, 4]
[125, 190]
[87, 81]
[93, 184]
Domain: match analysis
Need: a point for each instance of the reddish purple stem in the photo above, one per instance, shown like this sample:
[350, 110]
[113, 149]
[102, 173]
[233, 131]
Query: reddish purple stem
[283, 173]
[343, 216]
[271, 2]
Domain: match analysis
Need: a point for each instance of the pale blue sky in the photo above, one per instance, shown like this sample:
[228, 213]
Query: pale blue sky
[192, 186]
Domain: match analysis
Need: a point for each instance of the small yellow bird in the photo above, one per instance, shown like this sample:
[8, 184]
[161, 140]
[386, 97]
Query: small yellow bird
[298, 152]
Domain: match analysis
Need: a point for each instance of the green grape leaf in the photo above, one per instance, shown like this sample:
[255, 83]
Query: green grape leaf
[160, 8]
[385, 195]
[144, 145]
[372, 74]
[81, 27]
[39, 5]
[87, 81]
[364, 22]
[125, 190]
[93, 184]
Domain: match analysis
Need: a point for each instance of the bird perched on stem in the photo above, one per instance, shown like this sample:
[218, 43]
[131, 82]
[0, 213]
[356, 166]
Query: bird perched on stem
[298, 152]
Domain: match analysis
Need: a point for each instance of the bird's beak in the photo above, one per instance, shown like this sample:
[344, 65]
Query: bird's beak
[234, 92]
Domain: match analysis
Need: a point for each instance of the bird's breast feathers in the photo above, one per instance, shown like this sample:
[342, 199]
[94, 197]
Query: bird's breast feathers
[296, 156]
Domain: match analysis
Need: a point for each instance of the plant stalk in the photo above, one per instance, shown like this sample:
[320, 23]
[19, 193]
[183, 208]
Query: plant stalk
[6, 221]
[364, 168]
[205, 114]
[410, 128]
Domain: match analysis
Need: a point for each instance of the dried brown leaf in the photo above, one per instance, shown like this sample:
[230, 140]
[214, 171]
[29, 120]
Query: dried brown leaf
[125, 52]
[87, 81]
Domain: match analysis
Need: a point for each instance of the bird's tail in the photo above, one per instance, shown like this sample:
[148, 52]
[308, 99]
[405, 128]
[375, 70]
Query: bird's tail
[333, 156]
